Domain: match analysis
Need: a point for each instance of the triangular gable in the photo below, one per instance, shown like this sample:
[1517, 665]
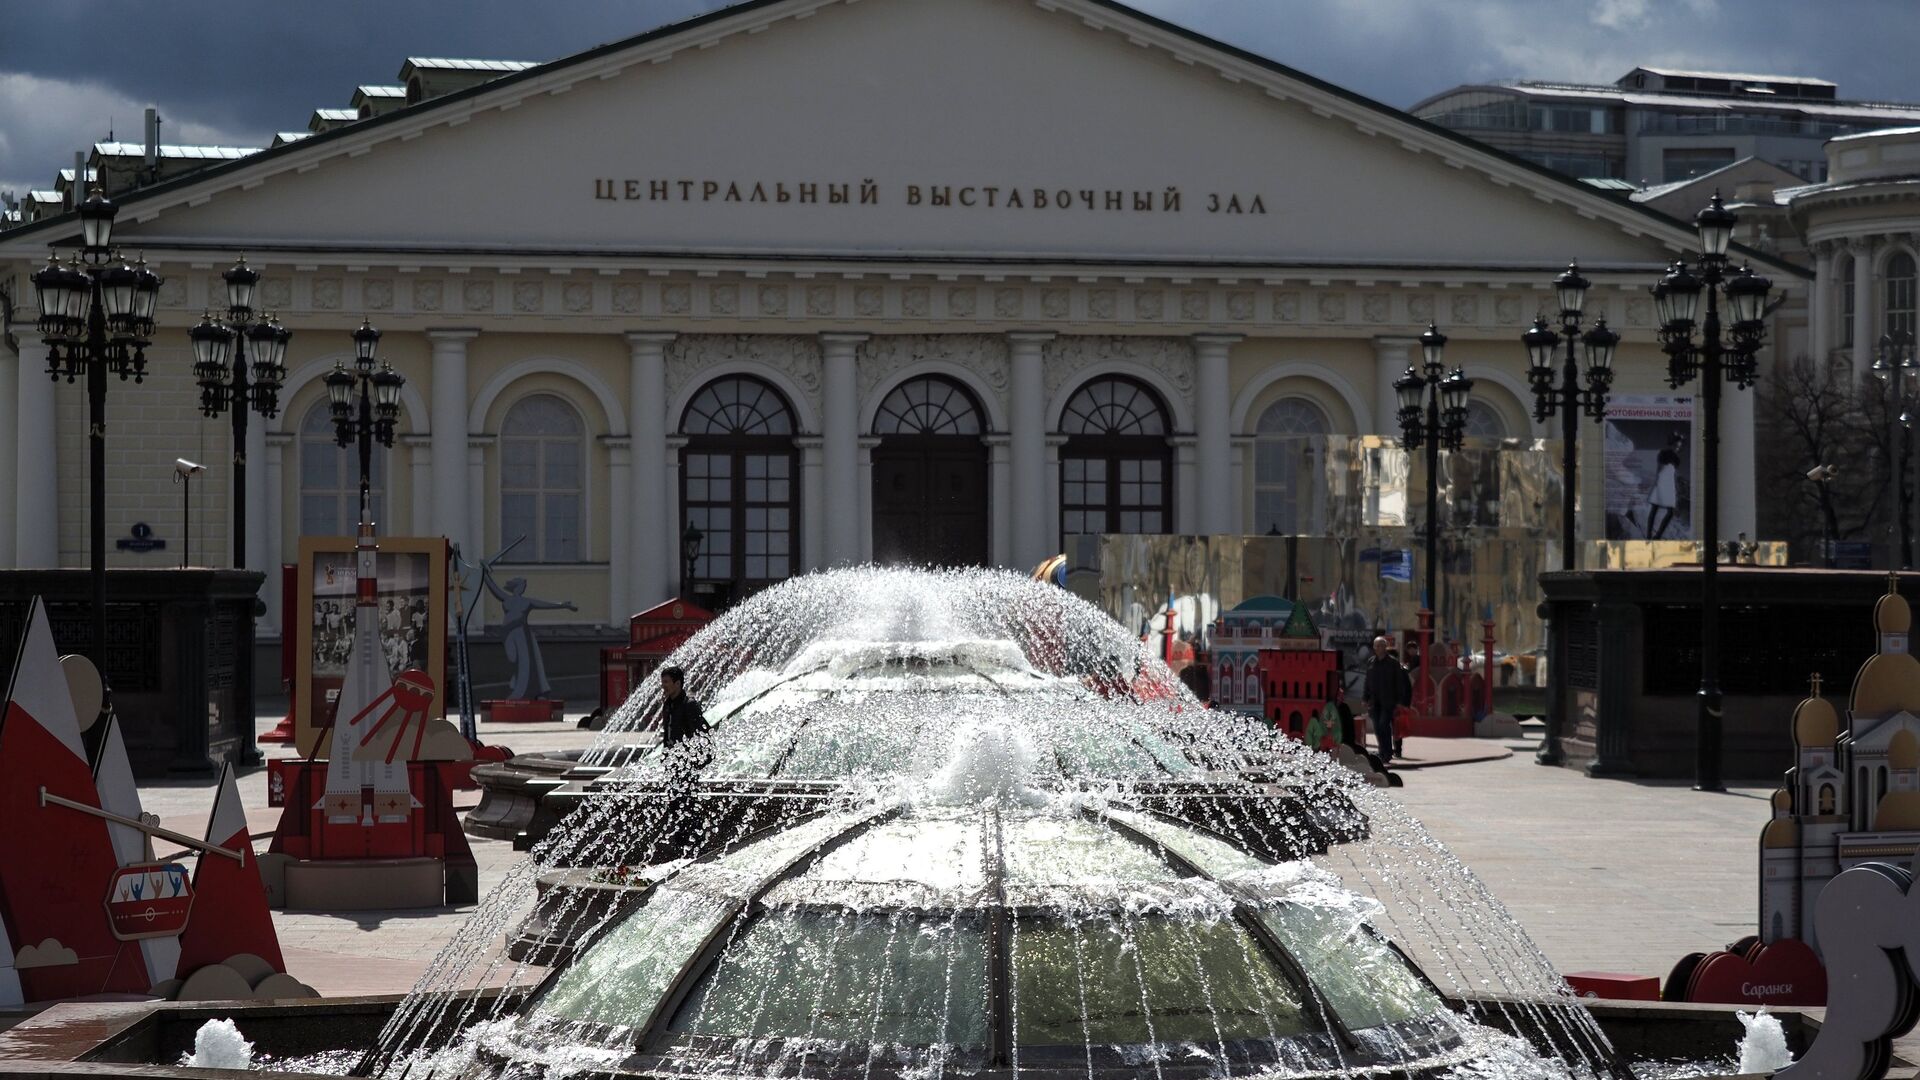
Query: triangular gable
[935, 108]
[1300, 624]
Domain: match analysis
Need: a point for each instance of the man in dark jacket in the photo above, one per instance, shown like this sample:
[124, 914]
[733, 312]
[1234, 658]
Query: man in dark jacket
[681, 717]
[1386, 690]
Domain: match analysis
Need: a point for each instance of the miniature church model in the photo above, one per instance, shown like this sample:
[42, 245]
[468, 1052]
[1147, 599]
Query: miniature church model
[1853, 794]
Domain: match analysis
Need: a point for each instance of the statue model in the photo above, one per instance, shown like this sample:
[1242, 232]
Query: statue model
[523, 652]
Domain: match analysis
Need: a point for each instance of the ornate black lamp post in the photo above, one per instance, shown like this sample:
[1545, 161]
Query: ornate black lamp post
[1433, 412]
[1894, 365]
[690, 542]
[96, 316]
[378, 402]
[234, 388]
[1732, 354]
[1569, 401]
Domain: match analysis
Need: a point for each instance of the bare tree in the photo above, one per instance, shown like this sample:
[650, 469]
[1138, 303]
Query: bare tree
[1813, 414]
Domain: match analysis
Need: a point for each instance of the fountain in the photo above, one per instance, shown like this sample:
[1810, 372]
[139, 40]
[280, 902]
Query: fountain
[961, 823]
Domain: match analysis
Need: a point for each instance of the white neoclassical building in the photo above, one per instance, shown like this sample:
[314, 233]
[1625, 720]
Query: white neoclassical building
[1863, 227]
[931, 280]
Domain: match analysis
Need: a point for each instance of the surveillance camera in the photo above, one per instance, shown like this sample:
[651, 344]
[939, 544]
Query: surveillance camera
[187, 468]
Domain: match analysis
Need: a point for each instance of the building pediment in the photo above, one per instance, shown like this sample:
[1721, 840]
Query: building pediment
[1059, 130]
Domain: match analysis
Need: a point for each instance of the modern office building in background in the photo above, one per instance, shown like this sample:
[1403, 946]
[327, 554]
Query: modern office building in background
[1660, 125]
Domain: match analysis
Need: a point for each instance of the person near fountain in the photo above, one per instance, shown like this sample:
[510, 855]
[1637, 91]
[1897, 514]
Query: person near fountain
[1387, 688]
[681, 717]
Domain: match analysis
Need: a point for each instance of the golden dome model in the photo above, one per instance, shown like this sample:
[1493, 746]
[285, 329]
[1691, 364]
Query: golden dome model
[1903, 751]
[1898, 811]
[1892, 615]
[1815, 723]
[1782, 801]
[1780, 833]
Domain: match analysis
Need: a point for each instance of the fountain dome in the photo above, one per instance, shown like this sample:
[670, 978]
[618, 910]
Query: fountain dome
[1008, 933]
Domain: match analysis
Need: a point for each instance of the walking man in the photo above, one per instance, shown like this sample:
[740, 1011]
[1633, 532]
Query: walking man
[1387, 688]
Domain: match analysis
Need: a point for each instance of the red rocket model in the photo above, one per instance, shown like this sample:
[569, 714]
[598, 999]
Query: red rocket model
[367, 781]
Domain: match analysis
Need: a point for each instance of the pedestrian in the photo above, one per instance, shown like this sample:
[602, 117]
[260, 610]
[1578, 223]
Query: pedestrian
[1387, 688]
[681, 717]
[1348, 731]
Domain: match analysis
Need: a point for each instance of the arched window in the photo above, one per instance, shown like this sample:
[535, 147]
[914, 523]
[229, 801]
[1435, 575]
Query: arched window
[330, 479]
[1826, 799]
[738, 486]
[543, 480]
[1252, 670]
[1899, 282]
[930, 499]
[1287, 454]
[1847, 299]
[1116, 469]
[1485, 421]
[929, 406]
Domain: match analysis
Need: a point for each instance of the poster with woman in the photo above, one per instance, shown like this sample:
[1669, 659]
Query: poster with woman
[1649, 461]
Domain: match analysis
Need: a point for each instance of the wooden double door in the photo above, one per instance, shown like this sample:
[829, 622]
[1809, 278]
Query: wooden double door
[930, 501]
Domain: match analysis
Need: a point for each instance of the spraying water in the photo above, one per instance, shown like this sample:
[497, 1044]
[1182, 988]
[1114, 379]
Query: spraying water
[219, 1045]
[962, 821]
[1763, 1049]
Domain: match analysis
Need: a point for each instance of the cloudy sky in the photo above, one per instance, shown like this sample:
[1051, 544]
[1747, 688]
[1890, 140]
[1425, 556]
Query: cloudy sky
[277, 61]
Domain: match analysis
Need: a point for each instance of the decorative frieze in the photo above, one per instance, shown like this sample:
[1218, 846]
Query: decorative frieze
[962, 301]
[626, 298]
[690, 356]
[326, 294]
[724, 299]
[577, 297]
[820, 301]
[427, 295]
[476, 296]
[376, 294]
[676, 299]
[883, 356]
[528, 297]
[1066, 357]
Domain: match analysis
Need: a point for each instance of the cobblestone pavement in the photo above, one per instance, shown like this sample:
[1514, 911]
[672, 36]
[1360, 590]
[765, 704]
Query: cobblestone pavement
[1604, 874]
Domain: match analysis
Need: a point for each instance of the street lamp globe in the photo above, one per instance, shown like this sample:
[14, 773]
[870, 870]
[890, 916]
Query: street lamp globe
[146, 296]
[1681, 291]
[96, 221]
[366, 343]
[240, 279]
[386, 393]
[340, 391]
[117, 283]
[1540, 341]
[1715, 226]
[1571, 288]
[1600, 343]
[1747, 296]
[1433, 347]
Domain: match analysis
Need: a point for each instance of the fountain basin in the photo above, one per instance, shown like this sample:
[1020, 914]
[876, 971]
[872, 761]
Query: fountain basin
[145, 1040]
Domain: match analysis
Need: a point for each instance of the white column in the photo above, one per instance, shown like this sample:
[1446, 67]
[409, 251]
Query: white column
[670, 556]
[1213, 433]
[1863, 291]
[840, 434]
[1000, 500]
[9, 451]
[1820, 305]
[37, 523]
[813, 502]
[448, 427]
[1051, 540]
[865, 489]
[654, 541]
[1242, 453]
[1185, 505]
[420, 466]
[1737, 508]
[1391, 355]
[276, 462]
[620, 529]
[473, 481]
[1035, 536]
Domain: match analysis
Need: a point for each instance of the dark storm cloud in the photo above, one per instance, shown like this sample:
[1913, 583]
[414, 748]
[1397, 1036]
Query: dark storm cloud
[230, 72]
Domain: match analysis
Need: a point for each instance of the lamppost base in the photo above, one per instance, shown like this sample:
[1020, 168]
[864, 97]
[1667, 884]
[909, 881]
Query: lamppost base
[1550, 757]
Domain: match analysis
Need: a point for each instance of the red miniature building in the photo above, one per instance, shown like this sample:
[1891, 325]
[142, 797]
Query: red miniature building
[1299, 677]
[652, 636]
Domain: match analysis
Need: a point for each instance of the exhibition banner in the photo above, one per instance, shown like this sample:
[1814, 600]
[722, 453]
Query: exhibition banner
[1648, 470]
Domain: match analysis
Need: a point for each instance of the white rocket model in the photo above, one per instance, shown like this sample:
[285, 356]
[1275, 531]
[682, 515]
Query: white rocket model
[355, 765]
